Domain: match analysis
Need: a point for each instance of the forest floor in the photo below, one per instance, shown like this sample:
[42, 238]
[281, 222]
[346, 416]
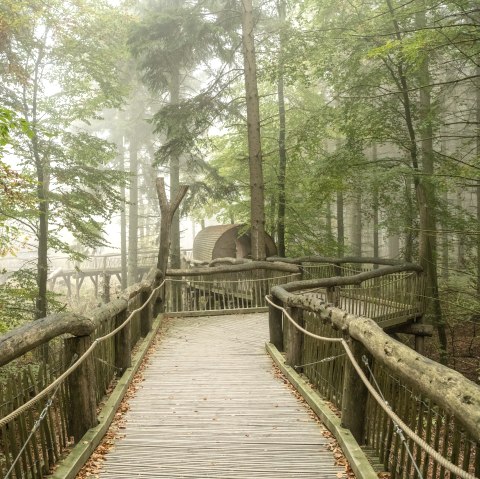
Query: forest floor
[463, 349]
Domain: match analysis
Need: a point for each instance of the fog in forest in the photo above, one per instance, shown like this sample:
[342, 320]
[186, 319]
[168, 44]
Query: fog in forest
[334, 129]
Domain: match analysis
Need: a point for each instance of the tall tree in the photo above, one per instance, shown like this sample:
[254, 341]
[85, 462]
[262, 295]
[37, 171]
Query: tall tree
[74, 46]
[257, 201]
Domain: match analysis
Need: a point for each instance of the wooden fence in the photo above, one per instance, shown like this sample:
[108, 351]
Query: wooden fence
[191, 292]
[37, 354]
[438, 405]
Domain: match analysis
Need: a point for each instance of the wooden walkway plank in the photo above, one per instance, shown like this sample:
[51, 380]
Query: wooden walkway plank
[211, 407]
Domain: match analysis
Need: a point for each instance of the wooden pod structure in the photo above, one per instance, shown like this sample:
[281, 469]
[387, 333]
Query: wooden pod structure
[226, 241]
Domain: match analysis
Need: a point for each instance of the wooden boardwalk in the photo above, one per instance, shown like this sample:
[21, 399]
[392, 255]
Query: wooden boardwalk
[211, 407]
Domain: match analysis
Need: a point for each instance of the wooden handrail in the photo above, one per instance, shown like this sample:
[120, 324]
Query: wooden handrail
[23, 339]
[235, 268]
[343, 260]
[448, 388]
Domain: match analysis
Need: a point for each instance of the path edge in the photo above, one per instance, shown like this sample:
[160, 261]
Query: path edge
[69, 467]
[356, 457]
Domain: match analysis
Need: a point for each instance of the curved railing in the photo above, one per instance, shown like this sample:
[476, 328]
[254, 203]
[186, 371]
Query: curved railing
[306, 296]
[56, 370]
[420, 419]
[392, 294]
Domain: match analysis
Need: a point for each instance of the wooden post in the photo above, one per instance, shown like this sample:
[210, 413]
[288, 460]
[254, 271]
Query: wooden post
[295, 340]
[123, 350]
[355, 394]
[275, 324]
[420, 295]
[82, 407]
[146, 314]
[333, 295]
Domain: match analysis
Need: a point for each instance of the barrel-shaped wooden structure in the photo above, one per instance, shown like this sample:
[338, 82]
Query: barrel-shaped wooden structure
[226, 241]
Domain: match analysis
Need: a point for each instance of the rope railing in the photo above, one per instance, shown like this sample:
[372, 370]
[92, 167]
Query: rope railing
[74, 390]
[397, 421]
[5, 420]
[239, 287]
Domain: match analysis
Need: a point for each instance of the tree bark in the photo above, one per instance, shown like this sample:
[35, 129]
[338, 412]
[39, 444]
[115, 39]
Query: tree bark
[123, 222]
[410, 217]
[167, 210]
[133, 212]
[423, 174]
[376, 232]
[340, 225]
[426, 197]
[356, 214]
[20, 340]
[282, 151]
[43, 213]
[175, 180]
[477, 108]
[257, 202]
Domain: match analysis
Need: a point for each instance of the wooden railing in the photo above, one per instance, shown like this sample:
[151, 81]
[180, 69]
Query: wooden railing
[225, 288]
[392, 299]
[437, 405]
[37, 356]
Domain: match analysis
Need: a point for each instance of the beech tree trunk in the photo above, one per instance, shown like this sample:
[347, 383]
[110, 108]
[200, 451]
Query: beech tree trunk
[175, 180]
[167, 211]
[123, 222]
[423, 174]
[477, 96]
[426, 197]
[282, 151]
[376, 238]
[340, 225]
[43, 213]
[410, 218]
[257, 202]
[133, 212]
[356, 215]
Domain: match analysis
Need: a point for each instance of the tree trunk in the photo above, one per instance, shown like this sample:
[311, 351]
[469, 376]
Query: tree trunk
[356, 213]
[328, 223]
[376, 239]
[123, 222]
[43, 213]
[175, 180]
[445, 236]
[167, 211]
[423, 175]
[133, 213]
[282, 151]
[340, 225]
[461, 249]
[477, 96]
[426, 197]
[257, 202]
[410, 233]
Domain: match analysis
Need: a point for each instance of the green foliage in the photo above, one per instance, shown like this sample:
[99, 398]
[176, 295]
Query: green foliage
[62, 65]
[17, 299]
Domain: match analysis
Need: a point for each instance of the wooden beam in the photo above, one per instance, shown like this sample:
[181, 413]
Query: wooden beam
[20, 340]
[235, 268]
[446, 387]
